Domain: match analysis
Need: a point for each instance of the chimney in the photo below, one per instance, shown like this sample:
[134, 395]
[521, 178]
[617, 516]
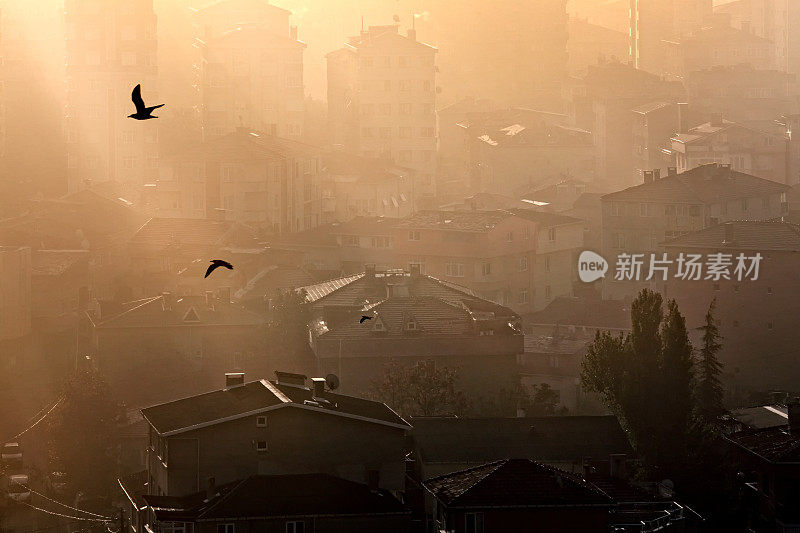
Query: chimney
[683, 117]
[289, 378]
[648, 176]
[168, 300]
[211, 488]
[672, 171]
[656, 174]
[617, 463]
[293, 33]
[793, 407]
[369, 270]
[318, 387]
[716, 120]
[412, 34]
[234, 379]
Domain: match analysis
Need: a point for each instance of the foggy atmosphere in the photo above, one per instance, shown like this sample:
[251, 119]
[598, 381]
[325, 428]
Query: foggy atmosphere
[404, 266]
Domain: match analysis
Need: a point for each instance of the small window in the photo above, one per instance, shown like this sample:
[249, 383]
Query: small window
[769, 290]
[226, 528]
[487, 269]
[261, 421]
[523, 264]
[296, 526]
[551, 234]
[548, 293]
[769, 325]
[547, 264]
[413, 235]
[744, 204]
[510, 236]
[261, 446]
[473, 523]
[411, 325]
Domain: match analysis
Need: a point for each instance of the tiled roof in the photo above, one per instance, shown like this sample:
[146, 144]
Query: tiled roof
[258, 396]
[774, 444]
[365, 226]
[183, 310]
[56, 262]
[321, 290]
[271, 279]
[545, 219]
[514, 483]
[703, 184]
[747, 235]
[474, 221]
[555, 438]
[284, 496]
[190, 231]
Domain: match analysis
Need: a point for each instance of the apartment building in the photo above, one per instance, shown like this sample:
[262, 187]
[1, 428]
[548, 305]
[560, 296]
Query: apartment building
[15, 288]
[381, 101]
[111, 47]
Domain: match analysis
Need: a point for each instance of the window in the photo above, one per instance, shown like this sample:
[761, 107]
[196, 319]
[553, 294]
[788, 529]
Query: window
[128, 162]
[385, 133]
[296, 526]
[526, 234]
[261, 421]
[426, 85]
[405, 132]
[413, 235]
[128, 137]
[765, 202]
[226, 528]
[510, 236]
[128, 59]
[385, 109]
[486, 269]
[647, 210]
[455, 270]
[769, 325]
[368, 133]
[522, 265]
[261, 446]
[473, 523]
[551, 234]
[617, 209]
[405, 109]
[381, 242]
[426, 132]
[522, 297]
[769, 290]
[618, 239]
[548, 293]
[547, 264]
[349, 240]
[411, 325]
[694, 210]
[744, 204]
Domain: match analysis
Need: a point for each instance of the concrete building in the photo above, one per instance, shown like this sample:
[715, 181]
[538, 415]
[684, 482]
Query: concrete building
[416, 319]
[250, 68]
[590, 44]
[750, 151]
[381, 101]
[719, 45]
[637, 219]
[272, 428]
[653, 23]
[15, 289]
[521, 258]
[111, 47]
[267, 182]
[653, 125]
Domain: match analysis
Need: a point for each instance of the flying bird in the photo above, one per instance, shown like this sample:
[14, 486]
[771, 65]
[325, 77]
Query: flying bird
[363, 318]
[217, 263]
[142, 112]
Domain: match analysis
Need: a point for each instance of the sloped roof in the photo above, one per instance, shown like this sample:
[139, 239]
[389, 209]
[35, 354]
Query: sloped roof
[747, 235]
[472, 221]
[284, 496]
[271, 279]
[762, 416]
[514, 483]
[365, 226]
[773, 444]
[56, 262]
[189, 231]
[259, 396]
[545, 219]
[156, 313]
[649, 108]
[553, 438]
[703, 184]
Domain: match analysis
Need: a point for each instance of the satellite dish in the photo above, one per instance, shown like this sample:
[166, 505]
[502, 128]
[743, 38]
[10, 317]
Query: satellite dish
[332, 381]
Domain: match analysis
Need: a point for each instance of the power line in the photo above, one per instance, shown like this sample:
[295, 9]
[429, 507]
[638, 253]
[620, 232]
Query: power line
[76, 518]
[61, 503]
[18, 435]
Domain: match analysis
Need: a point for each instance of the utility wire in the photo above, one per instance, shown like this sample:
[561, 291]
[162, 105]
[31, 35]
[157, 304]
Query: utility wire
[63, 504]
[18, 435]
[77, 518]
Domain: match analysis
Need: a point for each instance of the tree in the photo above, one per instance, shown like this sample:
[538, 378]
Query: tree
[83, 432]
[709, 393]
[423, 389]
[645, 377]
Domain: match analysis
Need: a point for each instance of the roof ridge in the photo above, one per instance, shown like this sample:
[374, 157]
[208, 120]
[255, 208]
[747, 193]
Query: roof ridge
[224, 497]
[144, 303]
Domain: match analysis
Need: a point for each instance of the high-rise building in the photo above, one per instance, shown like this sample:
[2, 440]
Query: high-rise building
[250, 69]
[381, 101]
[654, 23]
[111, 47]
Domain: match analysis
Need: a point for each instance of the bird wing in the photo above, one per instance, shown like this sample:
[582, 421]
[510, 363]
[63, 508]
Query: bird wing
[210, 269]
[222, 263]
[155, 107]
[136, 96]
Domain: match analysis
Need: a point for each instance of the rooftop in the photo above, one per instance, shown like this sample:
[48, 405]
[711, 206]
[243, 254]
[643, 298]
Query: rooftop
[583, 311]
[517, 483]
[743, 235]
[256, 397]
[191, 231]
[284, 496]
[704, 184]
[56, 262]
[773, 444]
[762, 416]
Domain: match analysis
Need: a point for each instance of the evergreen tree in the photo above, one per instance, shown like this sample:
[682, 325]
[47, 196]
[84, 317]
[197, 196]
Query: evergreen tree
[709, 393]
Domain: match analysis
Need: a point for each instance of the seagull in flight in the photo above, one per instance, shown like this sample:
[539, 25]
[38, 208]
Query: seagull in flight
[142, 112]
[363, 318]
[217, 263]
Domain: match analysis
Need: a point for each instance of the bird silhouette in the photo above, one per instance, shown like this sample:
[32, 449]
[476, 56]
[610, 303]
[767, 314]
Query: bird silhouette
[142, 112]
[217, 263]
[363, 318]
